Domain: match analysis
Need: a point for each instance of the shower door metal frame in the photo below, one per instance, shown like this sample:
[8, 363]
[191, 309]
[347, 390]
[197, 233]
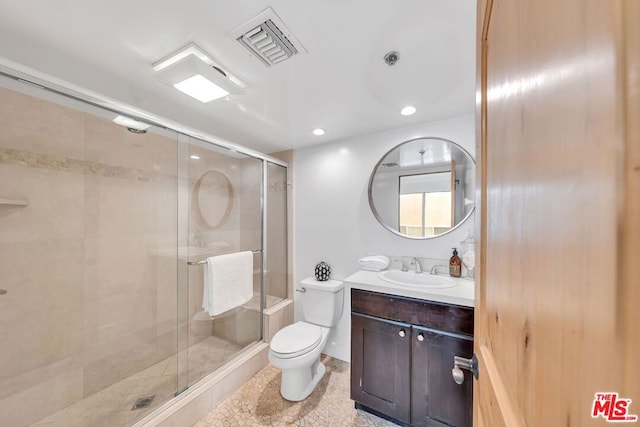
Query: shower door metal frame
[52, 84]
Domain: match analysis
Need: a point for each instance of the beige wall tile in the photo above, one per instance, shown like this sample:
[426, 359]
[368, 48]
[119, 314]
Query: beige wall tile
[125, 206]
[40, 337]
[18, 383]
[288, 156]
[56, 204]
[166, 216]
[114, 323]
[277, 317]
[79, 260]
[31, 404]
[166, 292]
[39, 274]
[31, 124]
[117, 264]
[111, 144]
[126, 361]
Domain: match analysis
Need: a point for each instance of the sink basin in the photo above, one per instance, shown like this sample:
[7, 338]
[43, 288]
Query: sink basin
[418, 280]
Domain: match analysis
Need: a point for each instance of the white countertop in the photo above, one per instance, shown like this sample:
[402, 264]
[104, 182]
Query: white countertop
[460, 294]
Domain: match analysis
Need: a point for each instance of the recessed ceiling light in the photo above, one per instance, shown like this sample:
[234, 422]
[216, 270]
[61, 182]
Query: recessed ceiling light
[190, 49]
[197, 74]
[195, 157]
[318, 132]
[131, 124]
[200, 88]
[408, 110]
[193, 50]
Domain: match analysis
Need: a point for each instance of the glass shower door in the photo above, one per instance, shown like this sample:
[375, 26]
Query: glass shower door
[101, 311]
[222, 194]
[276, 274]
[88, 262]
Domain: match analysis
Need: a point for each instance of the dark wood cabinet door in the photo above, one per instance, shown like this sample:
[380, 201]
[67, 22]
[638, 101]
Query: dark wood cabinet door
[436, 400]
[380, 365]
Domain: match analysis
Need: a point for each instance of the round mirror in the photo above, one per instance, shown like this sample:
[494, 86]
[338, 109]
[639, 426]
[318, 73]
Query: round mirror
[423, 188]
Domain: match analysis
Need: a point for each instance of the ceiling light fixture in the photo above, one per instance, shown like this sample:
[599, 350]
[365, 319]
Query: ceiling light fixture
[318, 132]
[132, 125]
[200, 88]
[197, 74]
[408, 110]
[195, 157]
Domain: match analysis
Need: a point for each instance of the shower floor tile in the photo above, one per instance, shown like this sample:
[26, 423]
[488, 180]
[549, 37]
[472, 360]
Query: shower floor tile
[258, 403]
[111, 407]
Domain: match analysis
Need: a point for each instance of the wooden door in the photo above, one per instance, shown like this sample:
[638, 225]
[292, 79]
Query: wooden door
[558, 131]
[380, 365]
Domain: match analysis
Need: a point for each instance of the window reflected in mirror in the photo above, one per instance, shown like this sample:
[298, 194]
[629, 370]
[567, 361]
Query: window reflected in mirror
[425, 205]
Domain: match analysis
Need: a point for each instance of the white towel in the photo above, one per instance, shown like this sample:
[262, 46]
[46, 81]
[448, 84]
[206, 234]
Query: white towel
[228, 282]
[374, 262]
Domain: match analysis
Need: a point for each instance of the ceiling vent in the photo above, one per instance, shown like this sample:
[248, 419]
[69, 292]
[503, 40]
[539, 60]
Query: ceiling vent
[268, 39]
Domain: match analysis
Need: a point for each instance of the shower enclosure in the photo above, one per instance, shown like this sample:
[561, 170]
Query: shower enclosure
[102, 234]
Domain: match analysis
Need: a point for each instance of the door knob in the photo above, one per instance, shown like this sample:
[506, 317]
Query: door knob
[402, 333]
[460, 363]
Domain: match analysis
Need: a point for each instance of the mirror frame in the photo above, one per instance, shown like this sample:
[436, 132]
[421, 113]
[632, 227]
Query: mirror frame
[375, 169]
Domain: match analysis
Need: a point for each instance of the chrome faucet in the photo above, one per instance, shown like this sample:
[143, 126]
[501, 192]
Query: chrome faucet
[416, 263]
[403, 266]
[434, 269]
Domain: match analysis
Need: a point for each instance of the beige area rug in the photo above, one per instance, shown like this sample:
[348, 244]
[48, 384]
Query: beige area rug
[258, 403]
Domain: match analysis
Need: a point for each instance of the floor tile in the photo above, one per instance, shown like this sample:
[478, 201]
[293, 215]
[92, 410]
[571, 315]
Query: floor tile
[258, 403]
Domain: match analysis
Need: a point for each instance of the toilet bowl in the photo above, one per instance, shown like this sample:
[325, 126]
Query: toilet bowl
[296, 349]
[299, 359]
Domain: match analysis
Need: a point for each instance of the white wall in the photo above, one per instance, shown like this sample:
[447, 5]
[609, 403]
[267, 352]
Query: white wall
[333, 221]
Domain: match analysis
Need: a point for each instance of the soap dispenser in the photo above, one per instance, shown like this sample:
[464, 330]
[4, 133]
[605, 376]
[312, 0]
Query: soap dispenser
[455, 264]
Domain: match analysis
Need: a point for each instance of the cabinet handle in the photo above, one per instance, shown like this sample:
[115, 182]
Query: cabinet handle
[420, 337]
[402, 333]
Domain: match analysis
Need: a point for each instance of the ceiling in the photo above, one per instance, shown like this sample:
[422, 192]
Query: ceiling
[341, 84]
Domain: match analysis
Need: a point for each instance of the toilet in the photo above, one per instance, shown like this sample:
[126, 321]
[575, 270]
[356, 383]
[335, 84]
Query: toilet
[296, 348]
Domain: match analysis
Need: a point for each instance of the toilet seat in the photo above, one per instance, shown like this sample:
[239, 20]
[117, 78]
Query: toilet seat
[296, 339]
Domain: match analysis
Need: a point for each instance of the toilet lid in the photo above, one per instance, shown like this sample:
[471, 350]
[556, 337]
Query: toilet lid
[296, 339]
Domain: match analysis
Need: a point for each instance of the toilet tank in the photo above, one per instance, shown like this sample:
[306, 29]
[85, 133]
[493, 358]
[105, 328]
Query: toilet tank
[322, 302]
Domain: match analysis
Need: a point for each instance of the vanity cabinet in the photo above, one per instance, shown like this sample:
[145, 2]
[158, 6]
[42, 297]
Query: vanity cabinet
[381, 365]
[402, 353]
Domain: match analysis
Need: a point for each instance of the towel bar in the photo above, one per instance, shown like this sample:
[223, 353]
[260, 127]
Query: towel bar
[204, 261]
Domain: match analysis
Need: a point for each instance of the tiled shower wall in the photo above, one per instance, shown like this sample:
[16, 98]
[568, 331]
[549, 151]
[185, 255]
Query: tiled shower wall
[89, 298]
